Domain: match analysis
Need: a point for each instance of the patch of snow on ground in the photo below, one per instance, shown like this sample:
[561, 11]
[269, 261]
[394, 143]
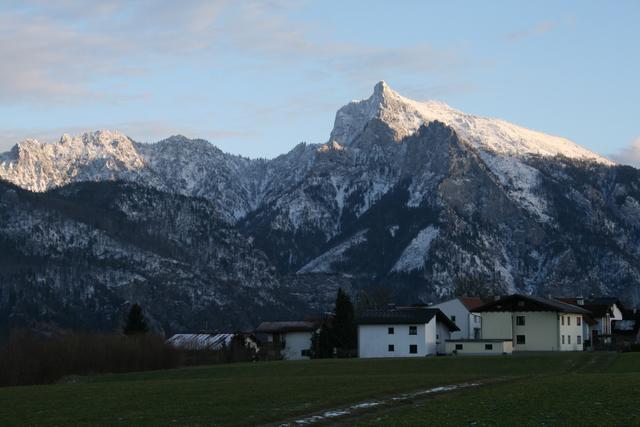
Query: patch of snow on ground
[362, 406]
[414, 255]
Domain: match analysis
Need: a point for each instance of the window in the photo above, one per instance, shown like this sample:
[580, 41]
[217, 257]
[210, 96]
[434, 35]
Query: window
[391, 347]
[568, 339]
[391, 331]
[579, 338]
[563, 339]
[579, 320]
[305, 353]
[562, 320]
[413, 330]
[413, 348]
[453, 319]
[520, 303]
[520, 339]
[520, 320]
[568, 320]
[459, 346]
[488, 346]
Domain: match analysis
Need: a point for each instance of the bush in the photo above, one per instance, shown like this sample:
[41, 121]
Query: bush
[633, 348]
[29, 359]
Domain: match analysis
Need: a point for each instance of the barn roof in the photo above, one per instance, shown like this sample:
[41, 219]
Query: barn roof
[520, 302]
[404, 316]
[200, 341]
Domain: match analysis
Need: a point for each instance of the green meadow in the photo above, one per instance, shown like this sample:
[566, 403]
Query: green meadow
[537, 389]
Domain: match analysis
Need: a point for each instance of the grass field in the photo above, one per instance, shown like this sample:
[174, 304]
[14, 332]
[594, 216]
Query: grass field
[545, 389]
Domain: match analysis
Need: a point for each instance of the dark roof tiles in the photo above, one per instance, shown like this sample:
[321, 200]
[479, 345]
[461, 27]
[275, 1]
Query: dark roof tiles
[520, 302]
[404, 316]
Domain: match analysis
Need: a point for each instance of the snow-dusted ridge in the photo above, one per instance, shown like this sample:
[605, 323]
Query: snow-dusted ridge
[239, 185]
[405, 116]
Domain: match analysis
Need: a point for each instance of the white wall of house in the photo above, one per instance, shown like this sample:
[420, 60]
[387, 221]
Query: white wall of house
[374, 340]
[479, 347]
[541, 331]
[497, 325]
[571, 332]
[295, 344]
[475, 328]
[458, 313]
[442, 335]
[616, 313]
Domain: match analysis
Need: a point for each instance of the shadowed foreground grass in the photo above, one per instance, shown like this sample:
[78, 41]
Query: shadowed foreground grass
[254, 393]
[564, 400]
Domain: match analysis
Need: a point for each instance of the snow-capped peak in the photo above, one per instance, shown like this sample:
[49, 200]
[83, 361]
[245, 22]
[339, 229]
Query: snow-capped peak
[405, 116]
[38, 166]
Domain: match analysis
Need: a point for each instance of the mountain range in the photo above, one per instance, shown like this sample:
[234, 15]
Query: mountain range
[416, 198]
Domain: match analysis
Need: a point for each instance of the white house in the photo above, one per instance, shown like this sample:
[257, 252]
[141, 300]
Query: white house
[403, 332]
[600, 324]
[533, 323]
[292, 338]
[459, 310]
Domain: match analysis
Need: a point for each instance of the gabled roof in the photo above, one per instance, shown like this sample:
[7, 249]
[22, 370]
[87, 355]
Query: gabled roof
[520, 302]
[404, 316]
[605, 301]
[599, 307]
[286, 326]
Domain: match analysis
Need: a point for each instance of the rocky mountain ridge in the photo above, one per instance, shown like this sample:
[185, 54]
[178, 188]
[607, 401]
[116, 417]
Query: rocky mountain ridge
[416, 198]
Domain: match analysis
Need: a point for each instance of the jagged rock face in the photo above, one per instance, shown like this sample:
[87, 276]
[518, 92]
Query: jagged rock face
[179, 165]
[415, 197]
[76, 256]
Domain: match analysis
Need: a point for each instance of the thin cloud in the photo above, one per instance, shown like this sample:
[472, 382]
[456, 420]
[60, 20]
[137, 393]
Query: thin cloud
[629, 155]
[75, 51]
[539, 29]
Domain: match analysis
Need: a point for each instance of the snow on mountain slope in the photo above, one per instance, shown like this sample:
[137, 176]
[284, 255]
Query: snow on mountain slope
[405, 116]
[323, 264]
[100, 155]
[413, 257]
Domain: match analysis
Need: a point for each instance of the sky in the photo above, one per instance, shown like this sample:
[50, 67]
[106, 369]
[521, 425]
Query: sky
[257, 77]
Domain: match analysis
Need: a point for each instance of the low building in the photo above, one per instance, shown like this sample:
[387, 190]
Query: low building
[533, 323]
[292, 339]
[403, 332]
[479, 347]
[599, 328]
[460, 311]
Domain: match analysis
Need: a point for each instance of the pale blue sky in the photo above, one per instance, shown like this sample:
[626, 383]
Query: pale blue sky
[255, 78]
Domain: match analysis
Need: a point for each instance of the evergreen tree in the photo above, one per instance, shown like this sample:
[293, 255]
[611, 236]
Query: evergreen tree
[136, 324]
[344, 329]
